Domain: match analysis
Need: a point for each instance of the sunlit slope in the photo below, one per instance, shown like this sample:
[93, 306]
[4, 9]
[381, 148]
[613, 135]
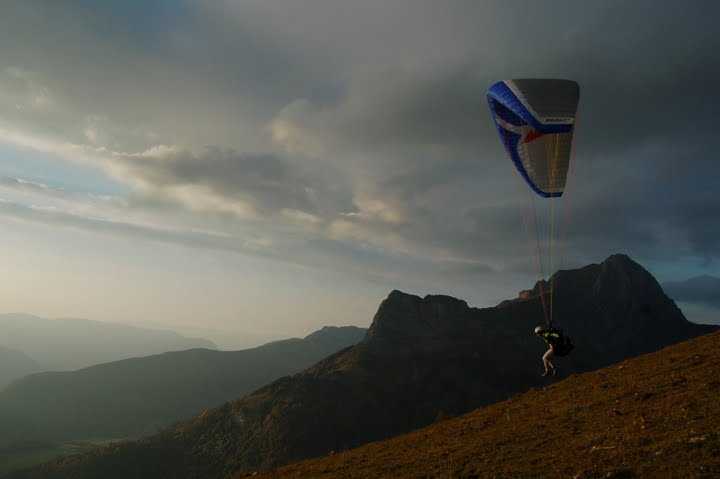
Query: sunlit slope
[656, 415]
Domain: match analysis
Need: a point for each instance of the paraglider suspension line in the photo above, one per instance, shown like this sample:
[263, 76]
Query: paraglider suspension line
[538, 257]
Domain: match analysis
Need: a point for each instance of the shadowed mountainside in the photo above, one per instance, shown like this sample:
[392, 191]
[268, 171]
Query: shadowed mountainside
[422, 358]
[652, 416]
[140, 395]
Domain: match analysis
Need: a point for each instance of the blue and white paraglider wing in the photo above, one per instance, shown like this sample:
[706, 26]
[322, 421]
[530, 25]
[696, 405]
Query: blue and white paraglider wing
[536, 119]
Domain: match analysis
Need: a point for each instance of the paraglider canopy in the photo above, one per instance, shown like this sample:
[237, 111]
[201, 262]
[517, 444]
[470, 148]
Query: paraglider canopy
[535, 119]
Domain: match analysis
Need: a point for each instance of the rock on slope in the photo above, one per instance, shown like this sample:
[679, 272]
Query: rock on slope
[653, 416]
[422, 358]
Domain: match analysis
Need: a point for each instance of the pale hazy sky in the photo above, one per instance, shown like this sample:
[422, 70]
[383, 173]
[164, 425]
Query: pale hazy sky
[260, 168]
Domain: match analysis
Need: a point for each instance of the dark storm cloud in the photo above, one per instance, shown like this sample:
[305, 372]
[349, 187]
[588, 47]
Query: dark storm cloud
[172, 70]
[421, 109]
[172, 42]
[644, 72]
[269, 182]
[645, 162]
[703, 290]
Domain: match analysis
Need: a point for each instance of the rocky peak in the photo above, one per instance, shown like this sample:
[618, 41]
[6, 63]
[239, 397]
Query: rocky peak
[408, 318]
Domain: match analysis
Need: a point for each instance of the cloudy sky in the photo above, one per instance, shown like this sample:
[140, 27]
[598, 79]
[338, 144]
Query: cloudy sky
[259, 168]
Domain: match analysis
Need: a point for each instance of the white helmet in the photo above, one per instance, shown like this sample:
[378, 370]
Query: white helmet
[539, 329]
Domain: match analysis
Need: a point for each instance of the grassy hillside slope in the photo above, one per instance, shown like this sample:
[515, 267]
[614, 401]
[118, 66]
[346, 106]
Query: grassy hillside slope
[657, 415]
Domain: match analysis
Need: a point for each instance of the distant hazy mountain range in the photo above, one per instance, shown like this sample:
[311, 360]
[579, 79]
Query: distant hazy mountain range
[67, 344]
[422, 359]
[140, 395]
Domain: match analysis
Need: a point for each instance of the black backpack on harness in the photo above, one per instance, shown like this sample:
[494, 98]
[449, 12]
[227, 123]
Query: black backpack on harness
[564, 344]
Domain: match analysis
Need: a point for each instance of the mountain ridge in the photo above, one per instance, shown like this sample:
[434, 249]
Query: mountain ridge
[68, 343]
[422, 358]
[139, 395]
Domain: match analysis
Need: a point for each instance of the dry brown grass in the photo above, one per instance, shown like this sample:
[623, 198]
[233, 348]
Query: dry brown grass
[655, 416]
